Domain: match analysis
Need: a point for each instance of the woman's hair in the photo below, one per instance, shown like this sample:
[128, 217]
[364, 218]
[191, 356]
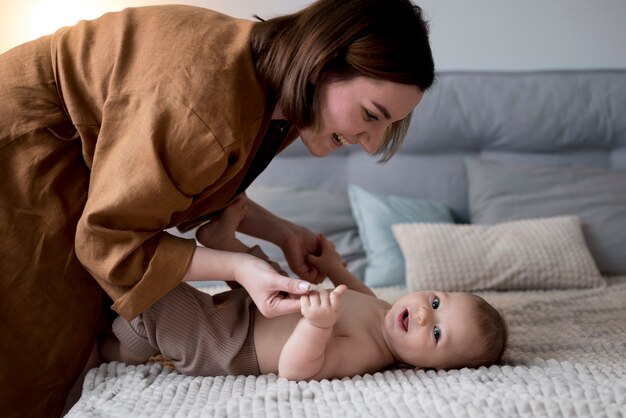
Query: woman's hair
[494, 332]
[339, 40]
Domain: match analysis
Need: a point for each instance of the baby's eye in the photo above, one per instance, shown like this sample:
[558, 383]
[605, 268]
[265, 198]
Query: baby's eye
[437, 333]
[435, 303]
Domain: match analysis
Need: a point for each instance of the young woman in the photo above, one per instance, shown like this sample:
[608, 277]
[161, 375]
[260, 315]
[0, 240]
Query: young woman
[118, 128]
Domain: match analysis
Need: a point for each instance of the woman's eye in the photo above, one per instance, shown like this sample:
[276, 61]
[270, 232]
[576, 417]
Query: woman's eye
[370, 116]
[435, 303]
[436, 333]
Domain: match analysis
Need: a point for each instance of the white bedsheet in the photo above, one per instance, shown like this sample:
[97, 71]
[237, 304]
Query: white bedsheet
[567, 357]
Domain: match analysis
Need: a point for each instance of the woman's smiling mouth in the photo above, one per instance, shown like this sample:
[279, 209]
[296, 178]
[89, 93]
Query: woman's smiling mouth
[338, 139]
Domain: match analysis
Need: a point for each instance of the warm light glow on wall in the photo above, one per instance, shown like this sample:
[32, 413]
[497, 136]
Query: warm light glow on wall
[29, 19]
[25, 20]
[49, 15]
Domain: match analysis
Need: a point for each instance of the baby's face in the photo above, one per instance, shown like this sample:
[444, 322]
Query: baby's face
[433, 329]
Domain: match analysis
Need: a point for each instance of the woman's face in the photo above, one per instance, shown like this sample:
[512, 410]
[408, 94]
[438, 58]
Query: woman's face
[358, 111]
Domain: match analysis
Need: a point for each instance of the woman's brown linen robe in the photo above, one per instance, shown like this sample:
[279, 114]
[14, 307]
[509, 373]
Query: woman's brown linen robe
[111, 131]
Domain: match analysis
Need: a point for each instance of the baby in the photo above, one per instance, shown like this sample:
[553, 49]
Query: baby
[341, 332]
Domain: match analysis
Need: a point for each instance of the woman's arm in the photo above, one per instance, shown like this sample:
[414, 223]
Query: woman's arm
[208, 264]
[266, 287]
[295, 241]
[329, 262]
[224, 257]
[304, 353]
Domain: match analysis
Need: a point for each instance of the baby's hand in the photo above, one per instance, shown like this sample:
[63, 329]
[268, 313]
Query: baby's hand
[322, 309]
[328, 259]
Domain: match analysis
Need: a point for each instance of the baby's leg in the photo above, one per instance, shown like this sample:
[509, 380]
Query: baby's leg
[219, 233]
[112, 350]
[202, 335]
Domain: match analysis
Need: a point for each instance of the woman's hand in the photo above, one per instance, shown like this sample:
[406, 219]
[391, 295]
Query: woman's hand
[330, 263]
[297, 245]
[328, 260]
[270, 291]
[296, 241]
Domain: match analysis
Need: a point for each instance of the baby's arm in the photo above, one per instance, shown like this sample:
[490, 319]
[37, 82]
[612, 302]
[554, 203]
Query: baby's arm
[329, 263]
[304, 353]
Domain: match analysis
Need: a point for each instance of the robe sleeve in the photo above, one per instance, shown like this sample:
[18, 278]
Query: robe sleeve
[153, 154]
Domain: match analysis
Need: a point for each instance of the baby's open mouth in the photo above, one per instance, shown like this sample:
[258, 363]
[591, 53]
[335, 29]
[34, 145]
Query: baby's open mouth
[338, 139]
[403, 320]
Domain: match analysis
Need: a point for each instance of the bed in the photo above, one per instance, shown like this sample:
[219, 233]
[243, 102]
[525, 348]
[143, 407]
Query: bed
[521, 179]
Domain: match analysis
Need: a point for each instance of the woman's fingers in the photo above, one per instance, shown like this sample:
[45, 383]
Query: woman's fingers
[280, 305]
[325, 242]
[293, 286]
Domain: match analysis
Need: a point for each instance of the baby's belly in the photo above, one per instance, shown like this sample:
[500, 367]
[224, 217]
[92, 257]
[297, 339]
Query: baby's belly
[270, 335]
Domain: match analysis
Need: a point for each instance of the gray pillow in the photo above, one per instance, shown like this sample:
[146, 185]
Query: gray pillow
[547, 253]
[506, 192]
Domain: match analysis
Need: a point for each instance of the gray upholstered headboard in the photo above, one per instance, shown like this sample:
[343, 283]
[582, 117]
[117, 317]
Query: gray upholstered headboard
[572, 117]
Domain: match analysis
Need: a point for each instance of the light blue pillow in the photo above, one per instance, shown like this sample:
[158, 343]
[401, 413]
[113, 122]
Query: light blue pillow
[374, 215]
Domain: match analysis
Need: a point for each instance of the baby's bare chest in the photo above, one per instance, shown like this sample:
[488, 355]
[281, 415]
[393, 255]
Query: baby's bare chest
[356, 335]
[356, 323]
[358, 345]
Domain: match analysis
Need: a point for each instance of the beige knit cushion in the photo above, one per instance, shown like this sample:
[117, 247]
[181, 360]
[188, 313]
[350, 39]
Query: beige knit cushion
[547, 253]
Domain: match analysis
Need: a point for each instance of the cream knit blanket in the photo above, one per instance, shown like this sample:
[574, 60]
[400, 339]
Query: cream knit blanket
[567, 358]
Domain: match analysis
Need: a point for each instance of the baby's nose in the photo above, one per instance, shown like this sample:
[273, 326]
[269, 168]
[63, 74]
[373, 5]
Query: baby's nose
[423, 316]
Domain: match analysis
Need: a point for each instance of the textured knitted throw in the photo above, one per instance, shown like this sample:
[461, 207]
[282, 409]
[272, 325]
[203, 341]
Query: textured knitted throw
[567, 358]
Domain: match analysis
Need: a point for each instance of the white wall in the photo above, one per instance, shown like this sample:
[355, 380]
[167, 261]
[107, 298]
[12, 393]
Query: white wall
[527, 34]
[466, 34]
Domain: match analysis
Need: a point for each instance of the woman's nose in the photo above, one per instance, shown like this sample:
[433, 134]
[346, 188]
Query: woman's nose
[368, 147]
[371, 141]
